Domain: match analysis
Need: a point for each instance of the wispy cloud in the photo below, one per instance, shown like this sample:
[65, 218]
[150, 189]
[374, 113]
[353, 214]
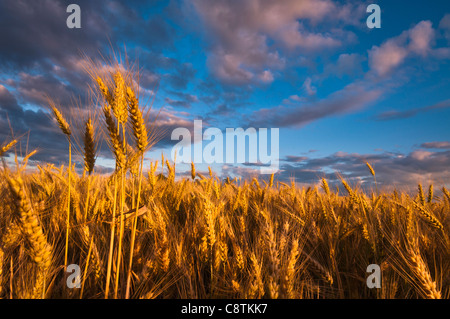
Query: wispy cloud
[396, 115]
[351, 98]
[436, 145]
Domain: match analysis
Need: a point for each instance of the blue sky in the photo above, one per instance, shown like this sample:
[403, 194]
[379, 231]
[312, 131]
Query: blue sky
[340, 93]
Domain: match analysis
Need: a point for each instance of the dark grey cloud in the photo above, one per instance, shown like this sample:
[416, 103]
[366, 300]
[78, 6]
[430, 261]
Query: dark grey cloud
[35, 31]
[37, 48]
[40, 56]
[44, 133]
[8, 103]
[35, 89]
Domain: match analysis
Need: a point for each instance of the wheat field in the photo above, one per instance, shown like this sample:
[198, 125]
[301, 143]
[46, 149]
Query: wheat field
[201, 236]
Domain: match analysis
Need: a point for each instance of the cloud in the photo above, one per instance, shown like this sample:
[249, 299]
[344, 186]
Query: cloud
[310, 90]
[266, 76]
[222, 110]
[8, 103]
[383, 59]
[421, 38]
[43, 22]
[165, 121]
[243, 46]
[148, 79]
[39, 44]
[351, 98]
[295, 159]
[444, 25]
[346, 64]
[181, 76]
[393, 52]
[396, 115]
[40, 56]
[44, 134]
[392, 169]
[294, 36]
[34, 89]
[439, 145]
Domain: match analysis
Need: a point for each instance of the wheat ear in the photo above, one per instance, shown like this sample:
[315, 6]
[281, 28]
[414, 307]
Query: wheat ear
[7, 147]
[89, 147]
[120, 103]
[137, 121]
[38, 248]
[116, 143]
[427, 285]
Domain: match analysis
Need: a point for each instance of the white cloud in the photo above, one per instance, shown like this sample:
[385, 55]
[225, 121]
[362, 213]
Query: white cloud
[248, 37]
[393, 52]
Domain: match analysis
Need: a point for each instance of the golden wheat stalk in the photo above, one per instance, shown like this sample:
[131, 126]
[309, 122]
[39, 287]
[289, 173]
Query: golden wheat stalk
[38, 247]
[2, 262]
[11, 237]
[151, 174]
[325, 187]
[171, 172]
[192, 170]
[115, 141]
[141, 138]
[446, 193]
[63, 125]
[133, 233]
[319, 269]
[430, 194]
[289, 279]
[273, 257]
[210, 172]
[7, 147]
[256, 287]
[111, 241]
[89, 147]
[65, 128]
[351, 193]
[429, 217]
[421, 195]
[120, 103]
[137, 121]
[427, 287]
[372, 171]
[105, 91]
[271, 180]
